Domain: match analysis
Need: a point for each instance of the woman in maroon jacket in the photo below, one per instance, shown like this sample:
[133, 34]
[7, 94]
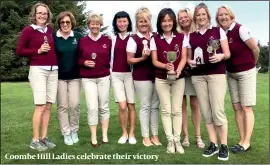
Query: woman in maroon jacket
[241, 74]
[209, 50]
[36, 42]
[94, 61]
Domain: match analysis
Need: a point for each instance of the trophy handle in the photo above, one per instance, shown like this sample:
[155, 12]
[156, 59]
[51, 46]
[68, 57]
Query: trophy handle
[165, 55]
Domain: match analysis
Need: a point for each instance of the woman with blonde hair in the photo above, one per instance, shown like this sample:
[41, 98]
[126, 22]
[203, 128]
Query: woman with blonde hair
[138, 55]
[94, 61]
[36, 41]
[186, 26]
[241, 74]
[206, 56]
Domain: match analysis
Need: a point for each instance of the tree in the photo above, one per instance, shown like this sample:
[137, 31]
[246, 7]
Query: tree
[14, 16]
[264, 58]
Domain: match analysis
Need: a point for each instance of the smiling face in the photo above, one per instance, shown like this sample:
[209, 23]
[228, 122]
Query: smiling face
[122, 24]
[41, 15]
[142, 25]
[224, 19]
[167, 24]
[94, 26]
[184, 20]
[65, 24]
[202, 17]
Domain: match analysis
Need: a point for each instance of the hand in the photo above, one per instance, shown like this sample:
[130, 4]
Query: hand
[216, 58]
[192, 63]
[178, 72]
[146, 53]
[169, 66]
[44, 48]
[89, 63]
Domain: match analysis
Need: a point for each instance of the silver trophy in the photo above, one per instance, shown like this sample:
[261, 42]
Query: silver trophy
[171, 57]
[93, 56]
[45, 40]
[213, 45]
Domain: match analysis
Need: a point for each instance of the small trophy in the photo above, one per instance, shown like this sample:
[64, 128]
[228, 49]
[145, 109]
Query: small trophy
[145, 46]
[93, 56]
[171, 56]
[213, 45]
[198, 56]
[45, 40]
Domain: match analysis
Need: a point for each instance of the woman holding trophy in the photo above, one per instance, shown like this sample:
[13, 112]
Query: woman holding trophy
[186, 26]
[138, 55]
[241, 74]
[122, 81]
[169, 55]
[94, 61]
[36, 41]
[209, 45]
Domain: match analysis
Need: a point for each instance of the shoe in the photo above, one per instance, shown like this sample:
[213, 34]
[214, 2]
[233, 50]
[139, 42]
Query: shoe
[156, 143]
[103, 142]
[68, 140]
[239, 149]
[178, 147]
[211, 150]
[185, 142]
[236, 146]
[170, 147]
[147, 145]
[223, 152]
[37, 145]
[74, 137]
[48, 142]
[94, 145]
[123, 140]
[132, 140]
[199, 142]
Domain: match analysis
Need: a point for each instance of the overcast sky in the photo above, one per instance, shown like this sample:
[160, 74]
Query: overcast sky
[252, 14]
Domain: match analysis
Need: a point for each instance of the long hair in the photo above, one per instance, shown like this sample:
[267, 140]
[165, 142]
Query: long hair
[118, 15]
[161, 16]
[32, 15]
[190, 15]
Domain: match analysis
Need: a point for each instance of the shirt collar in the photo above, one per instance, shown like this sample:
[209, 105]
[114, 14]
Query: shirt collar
[141, 36]
[163, 36]
[98, 37]
[210, 27]
[119, 34]
[231, 27]
[58, 33]
[36, 27]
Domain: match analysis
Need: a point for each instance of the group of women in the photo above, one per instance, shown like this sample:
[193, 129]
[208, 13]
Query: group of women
[138, 63]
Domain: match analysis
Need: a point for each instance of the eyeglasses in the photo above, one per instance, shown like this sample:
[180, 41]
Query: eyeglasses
[41, 13]
[64, 22]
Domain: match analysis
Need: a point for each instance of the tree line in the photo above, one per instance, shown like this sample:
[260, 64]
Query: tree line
[14, 16]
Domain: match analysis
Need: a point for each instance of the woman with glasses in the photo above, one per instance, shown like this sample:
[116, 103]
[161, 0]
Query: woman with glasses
[186, 26]
[36, 41]
[206, 56]
[94, 61]
[169, 41]
[241, 74]
[67, 50]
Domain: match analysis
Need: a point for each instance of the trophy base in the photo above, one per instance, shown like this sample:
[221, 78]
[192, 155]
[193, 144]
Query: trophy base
[171, 77]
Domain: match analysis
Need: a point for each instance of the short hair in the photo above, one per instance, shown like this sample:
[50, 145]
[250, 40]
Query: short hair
[118, 15]
[190, 15]
[94, 17]
[145, 13]
[64, 14]
[161, 16]
[32, 15]
[230, 12]
[201, 6]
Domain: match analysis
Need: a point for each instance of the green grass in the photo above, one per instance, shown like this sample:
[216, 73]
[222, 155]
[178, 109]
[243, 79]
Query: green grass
[16, 130]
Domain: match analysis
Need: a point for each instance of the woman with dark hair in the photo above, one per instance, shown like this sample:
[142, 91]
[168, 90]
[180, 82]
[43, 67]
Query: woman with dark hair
[36, 41]
[211, 46]
[121, 76]
[69, 84]
[241, 74]
[168, 41]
